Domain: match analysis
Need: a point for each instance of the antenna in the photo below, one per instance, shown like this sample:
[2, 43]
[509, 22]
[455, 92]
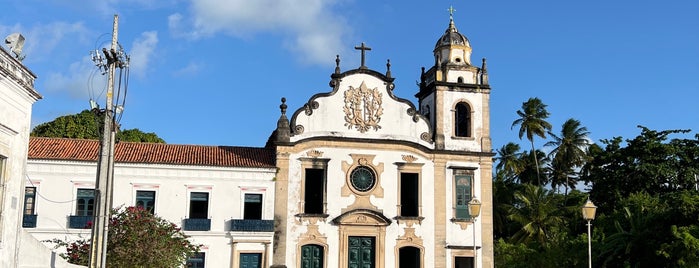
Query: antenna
[16, 42]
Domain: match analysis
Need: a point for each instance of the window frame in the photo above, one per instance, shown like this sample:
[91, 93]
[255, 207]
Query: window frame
[313, 164]
[85, 206]
[244, 205]
[463, 117]
[155, 198]
[196, 255]
[459, 210]
[409, 168]
[190, 206]
[33, 201]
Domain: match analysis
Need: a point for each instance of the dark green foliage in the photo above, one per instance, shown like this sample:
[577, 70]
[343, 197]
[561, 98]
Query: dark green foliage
[645, 189]
[137, 239]
[84, 125]
[136, 135]
[648, 164]
[87, 125]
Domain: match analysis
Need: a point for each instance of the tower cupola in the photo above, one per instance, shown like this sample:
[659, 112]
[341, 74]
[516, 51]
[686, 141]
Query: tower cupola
[452, 47]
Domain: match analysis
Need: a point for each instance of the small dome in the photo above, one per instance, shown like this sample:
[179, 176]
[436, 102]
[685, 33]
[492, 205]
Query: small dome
[452, 37]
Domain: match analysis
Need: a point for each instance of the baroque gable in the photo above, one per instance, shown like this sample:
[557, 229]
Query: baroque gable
[361, 105]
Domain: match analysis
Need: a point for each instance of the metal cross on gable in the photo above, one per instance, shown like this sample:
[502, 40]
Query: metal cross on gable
[363, 48]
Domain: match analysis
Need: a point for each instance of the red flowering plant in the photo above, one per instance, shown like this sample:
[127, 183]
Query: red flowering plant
[136, 238]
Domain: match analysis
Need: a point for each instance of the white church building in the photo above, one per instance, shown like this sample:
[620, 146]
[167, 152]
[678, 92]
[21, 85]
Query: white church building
[357, 177]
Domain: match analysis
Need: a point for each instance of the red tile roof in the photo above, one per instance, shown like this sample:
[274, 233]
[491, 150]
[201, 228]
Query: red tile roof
[152, 153]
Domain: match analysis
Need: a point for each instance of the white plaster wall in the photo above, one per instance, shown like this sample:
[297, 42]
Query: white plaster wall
[476, 103]
[15, 117]
[57, 183]
[329, 118]
[388, 203]
[468, 76]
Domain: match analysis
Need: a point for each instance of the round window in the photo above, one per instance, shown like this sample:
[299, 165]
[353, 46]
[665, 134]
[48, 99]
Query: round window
[362, 179]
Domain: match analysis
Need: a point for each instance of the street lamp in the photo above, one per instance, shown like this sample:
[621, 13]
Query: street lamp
[474, 209]
[588, 213]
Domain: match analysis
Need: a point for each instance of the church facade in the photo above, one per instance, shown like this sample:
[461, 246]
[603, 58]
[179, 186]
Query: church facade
[356, 177]
[368, 179]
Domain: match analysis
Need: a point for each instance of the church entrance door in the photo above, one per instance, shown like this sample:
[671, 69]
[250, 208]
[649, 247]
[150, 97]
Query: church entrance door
[361, 251]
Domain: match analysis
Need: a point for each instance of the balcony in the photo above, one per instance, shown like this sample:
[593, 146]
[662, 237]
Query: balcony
[252, 225]
[80, 222]
[196, 224]
[29, 221]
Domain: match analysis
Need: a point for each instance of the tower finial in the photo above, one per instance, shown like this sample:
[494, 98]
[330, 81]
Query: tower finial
[337, 64]
[451, 13]
[283, 106]
[388, 68]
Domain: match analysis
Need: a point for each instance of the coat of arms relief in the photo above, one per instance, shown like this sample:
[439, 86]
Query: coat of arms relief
[363, 108]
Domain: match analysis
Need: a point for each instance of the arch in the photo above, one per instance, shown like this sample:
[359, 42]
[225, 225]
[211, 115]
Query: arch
[365, 217]
[460, 79]
[462, 120]
[409, 257]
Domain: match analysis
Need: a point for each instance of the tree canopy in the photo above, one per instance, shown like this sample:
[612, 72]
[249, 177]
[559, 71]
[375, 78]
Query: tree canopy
[646, 189]
[138, 239]
[87, 125]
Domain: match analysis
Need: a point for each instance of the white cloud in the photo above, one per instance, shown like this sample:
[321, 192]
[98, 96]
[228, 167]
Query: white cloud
[191, 69]
[142, 51]
[81, 80]
[309, 26]
[43, 40]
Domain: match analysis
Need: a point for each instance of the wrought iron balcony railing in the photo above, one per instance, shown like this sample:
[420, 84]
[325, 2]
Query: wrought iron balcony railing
[80, 222]
[29, 221]
[241, 225]
[196, 224]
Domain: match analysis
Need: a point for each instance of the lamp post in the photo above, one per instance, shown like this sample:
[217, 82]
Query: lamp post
[474, 209]
[588, 213]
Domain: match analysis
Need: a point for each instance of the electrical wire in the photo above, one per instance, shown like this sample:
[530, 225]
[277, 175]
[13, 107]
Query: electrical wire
[45, 198]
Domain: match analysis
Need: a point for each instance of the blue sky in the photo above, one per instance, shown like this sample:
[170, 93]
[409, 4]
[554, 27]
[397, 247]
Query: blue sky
[213, 71]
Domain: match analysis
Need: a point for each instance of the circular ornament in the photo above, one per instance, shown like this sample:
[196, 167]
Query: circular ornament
[362, 179]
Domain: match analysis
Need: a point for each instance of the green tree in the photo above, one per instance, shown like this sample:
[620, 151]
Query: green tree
[537, 214]
[136, 239]
[648, 163]
[529, 173]
[569, 153]
[532, 122]
[87, 125]
[136, 135]
[509, 162]
[83, 125]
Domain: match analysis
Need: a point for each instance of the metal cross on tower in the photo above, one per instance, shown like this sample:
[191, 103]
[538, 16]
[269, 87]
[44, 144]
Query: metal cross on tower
[363, 48]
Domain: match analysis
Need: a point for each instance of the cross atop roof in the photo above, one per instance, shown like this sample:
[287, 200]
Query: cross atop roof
[451, 12]
[363, 48]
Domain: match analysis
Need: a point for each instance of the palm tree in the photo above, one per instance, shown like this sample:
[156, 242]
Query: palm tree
[569, 152]
[537, 213]
[529, 171]
[532, 121]
[509, 161]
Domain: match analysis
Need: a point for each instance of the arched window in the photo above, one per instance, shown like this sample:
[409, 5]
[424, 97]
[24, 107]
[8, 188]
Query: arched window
[463, 120]
[312, 256]
[460, 79]
[409, 257]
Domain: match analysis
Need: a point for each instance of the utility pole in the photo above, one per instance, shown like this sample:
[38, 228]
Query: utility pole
[105, 164]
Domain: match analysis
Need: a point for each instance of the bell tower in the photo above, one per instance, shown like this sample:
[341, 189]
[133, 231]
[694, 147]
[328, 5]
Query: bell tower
[455, 95]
